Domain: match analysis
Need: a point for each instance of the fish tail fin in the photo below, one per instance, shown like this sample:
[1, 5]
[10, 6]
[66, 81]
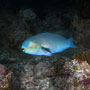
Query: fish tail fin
[71, 43]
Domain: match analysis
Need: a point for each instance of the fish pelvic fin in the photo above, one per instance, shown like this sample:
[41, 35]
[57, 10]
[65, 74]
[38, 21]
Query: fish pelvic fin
[72, 45]
[46, 49]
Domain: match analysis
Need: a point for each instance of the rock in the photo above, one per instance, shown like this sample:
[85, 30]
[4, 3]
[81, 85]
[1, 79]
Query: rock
[5, 78]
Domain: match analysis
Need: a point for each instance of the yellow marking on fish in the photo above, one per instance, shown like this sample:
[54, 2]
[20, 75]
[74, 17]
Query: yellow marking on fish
[38, 46]
[25, 48]
[34, 46]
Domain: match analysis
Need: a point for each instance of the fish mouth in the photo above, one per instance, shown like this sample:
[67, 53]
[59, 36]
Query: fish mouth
[23, 49]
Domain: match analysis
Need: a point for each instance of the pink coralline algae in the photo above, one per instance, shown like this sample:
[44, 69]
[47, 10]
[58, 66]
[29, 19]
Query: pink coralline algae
[5, 78]
[86, 81]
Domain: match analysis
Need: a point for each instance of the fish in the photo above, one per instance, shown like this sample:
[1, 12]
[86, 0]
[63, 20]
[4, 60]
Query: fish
[46, 44]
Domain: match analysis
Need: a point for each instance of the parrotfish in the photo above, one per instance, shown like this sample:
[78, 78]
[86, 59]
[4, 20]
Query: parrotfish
[46, 44]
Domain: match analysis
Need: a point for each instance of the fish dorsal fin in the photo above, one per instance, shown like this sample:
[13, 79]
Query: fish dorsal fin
[46, 49]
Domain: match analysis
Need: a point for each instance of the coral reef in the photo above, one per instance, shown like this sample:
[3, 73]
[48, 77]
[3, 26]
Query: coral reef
[36, 77]
[83, 56]
[39, 72]
[82, 31]
[18, 29]
[5, 78]
[14, 37]
[80, 75]
[75, 76]
[69, 74]
[44, 69]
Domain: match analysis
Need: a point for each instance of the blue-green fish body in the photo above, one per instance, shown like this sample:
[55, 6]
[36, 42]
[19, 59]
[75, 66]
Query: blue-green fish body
[46, 44]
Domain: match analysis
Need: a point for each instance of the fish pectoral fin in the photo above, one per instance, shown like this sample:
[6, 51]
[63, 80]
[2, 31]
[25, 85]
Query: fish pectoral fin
[46, 49]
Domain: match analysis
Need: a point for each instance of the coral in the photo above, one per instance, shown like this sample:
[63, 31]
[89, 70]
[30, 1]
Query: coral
[33, 78]
[44, 75]
[44, 69]
[75, 76]
[79, 78]
[86, 81]
[5, 78]
[83, 56]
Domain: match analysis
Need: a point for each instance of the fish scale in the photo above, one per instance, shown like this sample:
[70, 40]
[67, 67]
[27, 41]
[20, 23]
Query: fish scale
[49, 43]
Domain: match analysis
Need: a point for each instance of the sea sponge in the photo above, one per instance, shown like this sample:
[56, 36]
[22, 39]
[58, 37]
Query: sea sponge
[83, 56]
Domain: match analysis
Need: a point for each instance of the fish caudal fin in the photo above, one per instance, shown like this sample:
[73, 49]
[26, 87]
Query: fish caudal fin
[71, 43]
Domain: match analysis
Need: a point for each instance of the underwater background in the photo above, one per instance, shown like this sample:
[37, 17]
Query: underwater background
[67, 70]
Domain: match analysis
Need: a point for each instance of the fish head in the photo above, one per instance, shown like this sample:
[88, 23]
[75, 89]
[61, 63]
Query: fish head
[30, 47]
